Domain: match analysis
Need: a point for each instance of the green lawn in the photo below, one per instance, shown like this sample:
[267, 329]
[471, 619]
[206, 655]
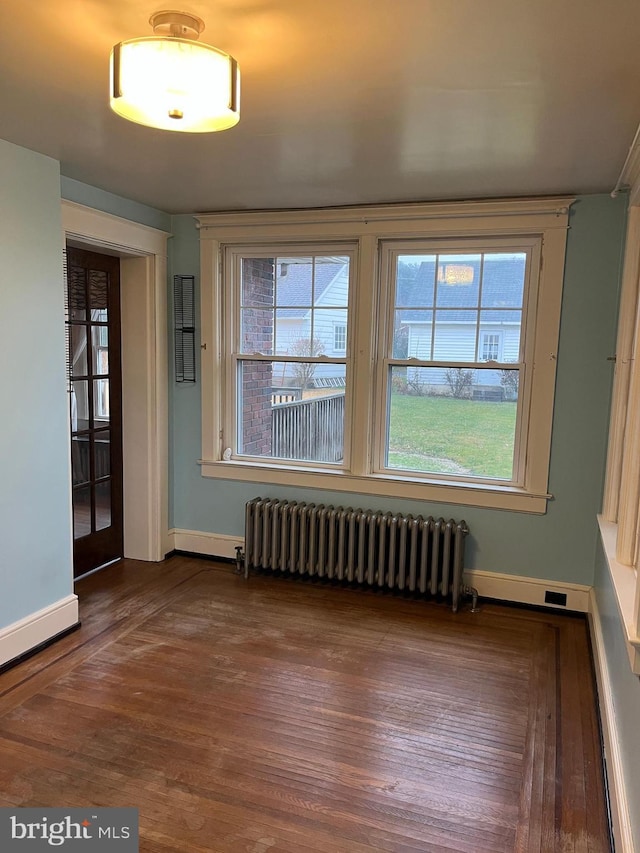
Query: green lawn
[448, 436]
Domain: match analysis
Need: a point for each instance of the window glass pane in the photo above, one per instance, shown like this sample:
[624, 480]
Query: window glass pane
[452, 421]
[412, 334]
[415, 277]
[503, 280]
[506, 325]
[291, 410]
[257, 282]
[294, 282]
[325, 321]
[455, 335]
[78, 341]
[458, 281]
[331, 282]
[256, 330]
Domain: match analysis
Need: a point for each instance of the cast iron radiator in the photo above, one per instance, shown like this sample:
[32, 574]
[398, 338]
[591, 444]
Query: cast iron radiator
[411, 554]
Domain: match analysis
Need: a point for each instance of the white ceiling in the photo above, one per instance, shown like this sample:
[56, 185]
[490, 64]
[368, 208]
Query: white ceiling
[343, 101]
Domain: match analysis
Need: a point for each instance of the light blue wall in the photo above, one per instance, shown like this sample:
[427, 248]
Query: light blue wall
[35, 491]
[559, 545]
[73, 190]
[625, 688]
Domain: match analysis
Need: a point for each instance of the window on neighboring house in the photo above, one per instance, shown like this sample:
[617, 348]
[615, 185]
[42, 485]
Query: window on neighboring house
[490, 346]
[435, 398]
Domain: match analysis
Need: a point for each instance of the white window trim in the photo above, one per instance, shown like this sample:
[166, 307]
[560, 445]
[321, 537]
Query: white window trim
[546, 218]
[620, 520]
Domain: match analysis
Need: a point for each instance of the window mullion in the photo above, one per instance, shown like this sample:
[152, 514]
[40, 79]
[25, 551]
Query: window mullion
[361, 347]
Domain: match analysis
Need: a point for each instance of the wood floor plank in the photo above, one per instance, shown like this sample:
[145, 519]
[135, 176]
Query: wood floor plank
[278, 716]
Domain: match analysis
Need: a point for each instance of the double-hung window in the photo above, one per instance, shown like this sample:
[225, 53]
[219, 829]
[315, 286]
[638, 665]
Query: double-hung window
[289, 387]
[449, 412]
[402, 350]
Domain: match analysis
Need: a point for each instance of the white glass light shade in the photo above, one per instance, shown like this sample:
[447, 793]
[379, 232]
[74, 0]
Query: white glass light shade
[175, 84]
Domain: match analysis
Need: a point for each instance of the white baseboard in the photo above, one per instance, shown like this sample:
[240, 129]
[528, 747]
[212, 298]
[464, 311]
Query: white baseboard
[488, 584]
[209, 544]
[619, 804]
[28, 633]
[527, 590]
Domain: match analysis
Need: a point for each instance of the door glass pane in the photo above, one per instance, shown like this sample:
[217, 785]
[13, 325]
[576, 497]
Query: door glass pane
[79, 405]
[98, 293]
[103, 505]
[80, 468]
[78, 350]
[101, 410]
[100, 353]
[102, 453]
[81, 511]
[76, 294]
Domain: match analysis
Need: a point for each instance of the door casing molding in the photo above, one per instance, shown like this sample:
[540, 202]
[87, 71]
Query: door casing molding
[143, 270]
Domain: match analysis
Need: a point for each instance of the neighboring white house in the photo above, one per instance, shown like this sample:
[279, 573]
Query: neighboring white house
[461, 309]
[447, 308]
[311, 305]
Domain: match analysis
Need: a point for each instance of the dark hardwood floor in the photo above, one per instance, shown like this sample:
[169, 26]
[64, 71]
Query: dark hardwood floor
[273, 715]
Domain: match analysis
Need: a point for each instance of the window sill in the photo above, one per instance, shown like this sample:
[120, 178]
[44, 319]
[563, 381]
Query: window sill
[624, 581]
[381, 485]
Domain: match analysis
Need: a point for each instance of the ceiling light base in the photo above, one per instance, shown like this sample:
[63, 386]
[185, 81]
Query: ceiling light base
[176, 24]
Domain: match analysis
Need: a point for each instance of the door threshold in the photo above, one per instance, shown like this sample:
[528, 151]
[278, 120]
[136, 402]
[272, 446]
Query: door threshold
[98, 569]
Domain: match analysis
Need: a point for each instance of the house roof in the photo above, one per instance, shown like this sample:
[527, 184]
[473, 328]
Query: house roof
[293, 289]
[457, 286]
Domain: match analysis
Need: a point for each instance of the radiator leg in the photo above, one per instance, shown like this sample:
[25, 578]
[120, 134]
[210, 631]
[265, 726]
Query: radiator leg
[473, 592]
[240, 559]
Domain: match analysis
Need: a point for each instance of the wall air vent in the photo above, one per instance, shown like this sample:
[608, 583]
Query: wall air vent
[184, 323]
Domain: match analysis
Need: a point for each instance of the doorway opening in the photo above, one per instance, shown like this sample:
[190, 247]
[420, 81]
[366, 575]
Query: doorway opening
[95, 385]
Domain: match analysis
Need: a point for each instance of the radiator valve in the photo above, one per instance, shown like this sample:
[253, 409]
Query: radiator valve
[473, 592]
[240, 561]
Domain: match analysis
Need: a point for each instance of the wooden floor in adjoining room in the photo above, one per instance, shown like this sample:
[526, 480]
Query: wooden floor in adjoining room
[272, 715]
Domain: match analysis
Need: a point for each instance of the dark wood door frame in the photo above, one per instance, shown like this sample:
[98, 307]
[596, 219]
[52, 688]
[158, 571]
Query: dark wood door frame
[96, 407]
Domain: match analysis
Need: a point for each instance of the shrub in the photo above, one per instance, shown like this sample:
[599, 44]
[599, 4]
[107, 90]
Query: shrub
[460, 381]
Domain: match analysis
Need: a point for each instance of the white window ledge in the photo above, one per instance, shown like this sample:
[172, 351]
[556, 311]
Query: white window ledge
[380, 485]
[624, 579]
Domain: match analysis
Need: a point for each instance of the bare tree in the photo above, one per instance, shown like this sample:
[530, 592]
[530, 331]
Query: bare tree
[303, 371]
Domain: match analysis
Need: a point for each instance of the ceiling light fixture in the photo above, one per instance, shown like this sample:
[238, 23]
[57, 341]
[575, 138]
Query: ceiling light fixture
[172, 82]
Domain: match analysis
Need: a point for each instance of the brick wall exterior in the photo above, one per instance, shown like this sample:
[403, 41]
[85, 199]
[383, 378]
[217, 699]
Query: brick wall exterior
[257, 377]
